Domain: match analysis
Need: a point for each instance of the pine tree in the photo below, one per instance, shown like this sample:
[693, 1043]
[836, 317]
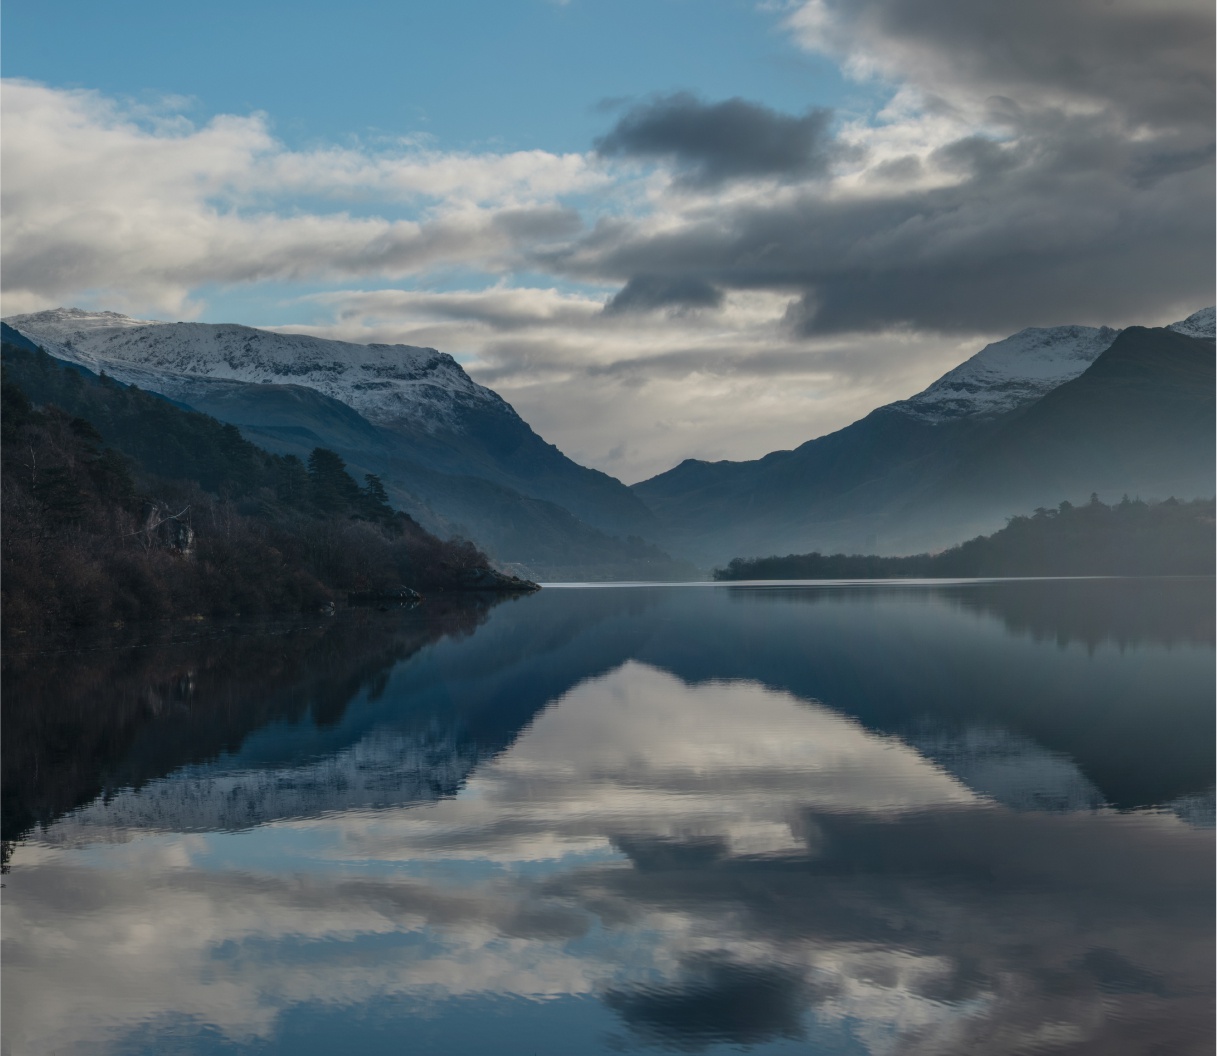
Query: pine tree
[376, 499]
[332, 486]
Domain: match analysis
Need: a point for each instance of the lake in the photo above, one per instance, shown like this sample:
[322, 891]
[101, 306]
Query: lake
[960, 817]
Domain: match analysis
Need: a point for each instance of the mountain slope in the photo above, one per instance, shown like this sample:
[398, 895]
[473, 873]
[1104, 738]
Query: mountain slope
[451, 453]
[1139, 420]
[436, 414]
[968, 451]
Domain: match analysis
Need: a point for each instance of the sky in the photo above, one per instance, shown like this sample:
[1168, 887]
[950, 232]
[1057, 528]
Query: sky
[660, 228]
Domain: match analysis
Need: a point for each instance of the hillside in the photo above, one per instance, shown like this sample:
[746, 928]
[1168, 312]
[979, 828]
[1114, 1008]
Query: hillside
[1140, 418]
[1129, 538]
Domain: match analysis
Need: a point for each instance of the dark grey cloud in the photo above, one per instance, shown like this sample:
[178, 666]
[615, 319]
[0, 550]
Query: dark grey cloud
[1041, 242]
[715, 142]
[1067, 214]
[900, 169]
[1088, 197]
[644, 293]
[1151, 60]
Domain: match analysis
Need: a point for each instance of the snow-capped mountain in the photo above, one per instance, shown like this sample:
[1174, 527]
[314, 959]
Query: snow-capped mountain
[452, 453]
[1011, 373]
[1020, 369]
[384, 383]
[1045, 415]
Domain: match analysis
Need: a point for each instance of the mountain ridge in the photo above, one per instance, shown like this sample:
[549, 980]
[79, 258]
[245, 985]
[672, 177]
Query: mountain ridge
[452, 451]
[444, 445]
[885, 483]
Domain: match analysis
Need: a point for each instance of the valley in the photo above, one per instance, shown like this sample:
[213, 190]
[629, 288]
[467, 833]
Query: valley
[1044, 416]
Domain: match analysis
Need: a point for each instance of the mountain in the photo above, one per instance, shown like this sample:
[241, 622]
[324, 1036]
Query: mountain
[1046, 415]
[1128, 538]
[1140, 420]
[451, 452]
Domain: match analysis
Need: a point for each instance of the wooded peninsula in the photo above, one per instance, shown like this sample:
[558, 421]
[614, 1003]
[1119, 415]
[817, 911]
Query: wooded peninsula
[119, 506]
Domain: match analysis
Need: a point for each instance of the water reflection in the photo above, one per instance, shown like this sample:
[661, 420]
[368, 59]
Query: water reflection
[1126, 612]
[646, 830]
[125, 710]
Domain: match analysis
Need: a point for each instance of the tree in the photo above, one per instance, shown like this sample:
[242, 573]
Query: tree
[292, 483]
[375, 499]
[332, 487]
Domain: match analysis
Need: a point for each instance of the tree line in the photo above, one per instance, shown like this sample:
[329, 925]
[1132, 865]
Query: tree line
[1129, 538]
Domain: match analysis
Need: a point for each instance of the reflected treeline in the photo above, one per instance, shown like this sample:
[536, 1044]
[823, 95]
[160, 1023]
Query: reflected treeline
[124, 710]
[1126, 612]
[971, 675]
[1122, 611]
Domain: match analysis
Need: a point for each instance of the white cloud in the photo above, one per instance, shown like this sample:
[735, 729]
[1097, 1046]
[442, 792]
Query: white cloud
[100, 202]
[634, 394]
[995, 189]
[124, 209]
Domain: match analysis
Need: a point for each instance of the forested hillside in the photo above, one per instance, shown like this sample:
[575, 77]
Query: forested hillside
[1130, 538]
[120, 506]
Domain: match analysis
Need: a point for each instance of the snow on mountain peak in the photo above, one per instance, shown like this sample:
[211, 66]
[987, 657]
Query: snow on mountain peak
[1011, 373]
[385, 383]
[1198, 324]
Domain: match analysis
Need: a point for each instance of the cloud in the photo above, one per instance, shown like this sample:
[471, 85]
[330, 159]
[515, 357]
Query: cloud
[635, 392]
[1069, 220]
[1038, 163]
[99, 200]
[647, 292]
[1148, 60]
[711, 143]
[763, 278]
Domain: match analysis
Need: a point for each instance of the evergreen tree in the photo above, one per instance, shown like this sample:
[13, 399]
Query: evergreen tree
[375, 499]
[332, 487]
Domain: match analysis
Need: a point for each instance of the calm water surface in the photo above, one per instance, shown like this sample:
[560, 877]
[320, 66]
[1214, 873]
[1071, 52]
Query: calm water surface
[960, 818]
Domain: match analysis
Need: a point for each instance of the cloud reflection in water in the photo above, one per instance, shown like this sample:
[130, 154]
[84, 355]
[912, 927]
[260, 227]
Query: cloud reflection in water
[718, 864]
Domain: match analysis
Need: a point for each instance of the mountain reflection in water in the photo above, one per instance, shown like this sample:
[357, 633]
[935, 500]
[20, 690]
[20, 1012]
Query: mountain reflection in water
[964, 818]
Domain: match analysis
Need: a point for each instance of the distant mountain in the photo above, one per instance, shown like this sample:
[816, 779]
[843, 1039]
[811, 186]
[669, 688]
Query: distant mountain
[1046, 415]
[451, 452]
[1140, 420]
